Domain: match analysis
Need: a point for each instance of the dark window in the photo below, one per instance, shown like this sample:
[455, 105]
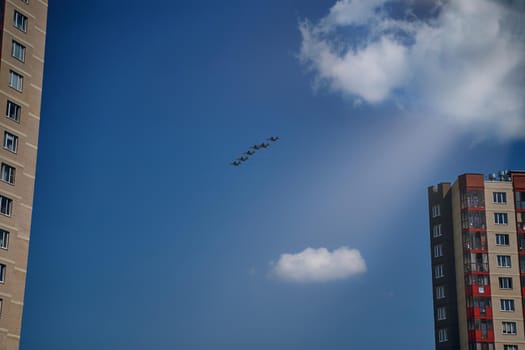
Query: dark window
[2, 273]
[7, 173]
[440, 292]
[521, 241]
[499, 197]
[505, 282]
[501, 218]
[509, 327]
[13, 111]
[507, 305]
[520, 220]
[20, 21]
[4, 239]
[520, 200]
[18, 51]
[6, 205]
[504, 261]
[502, 239]
[442, 335]
[436, 230]
[16, 81]
[10, 142]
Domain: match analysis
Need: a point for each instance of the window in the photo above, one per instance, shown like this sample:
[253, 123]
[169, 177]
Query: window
[10, 142]
[502, 239]
[504, 261]
[520, 200]
[20, 21]
[477, 262]
[441, 313]
[520, 220]
[13, 111]
[499, 197]
[7, 173]
[473, 199]
[508, 327]
[4, 239]
[438, 250]
[501, 218]
[18, 51]
[436, 211]
[2, 273]
[442, 335]
[439, 271]
[507, 305]
[479, 280]
[436, 230]
[16, 81]
[473, 219]
[440, 292]
[475, 240]
[510, 347]
[505, 282]
[6, 205]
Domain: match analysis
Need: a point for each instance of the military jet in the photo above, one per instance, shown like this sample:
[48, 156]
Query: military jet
[235, 163]
[256, 147]
[273, 138]
[264, 145]
[250, 153]
[243, 159]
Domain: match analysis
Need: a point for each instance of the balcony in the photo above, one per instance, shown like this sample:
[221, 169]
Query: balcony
[477, 290]
[479, 335]
[477, 267]
[479, 312]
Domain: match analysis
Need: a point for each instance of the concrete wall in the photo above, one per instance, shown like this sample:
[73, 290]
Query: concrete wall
[24, 160]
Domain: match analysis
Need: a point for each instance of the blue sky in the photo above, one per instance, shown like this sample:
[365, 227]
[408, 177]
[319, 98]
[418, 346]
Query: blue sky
[144, 237]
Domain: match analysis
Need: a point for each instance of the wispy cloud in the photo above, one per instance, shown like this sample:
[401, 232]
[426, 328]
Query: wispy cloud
[319, 265]
[464, 61]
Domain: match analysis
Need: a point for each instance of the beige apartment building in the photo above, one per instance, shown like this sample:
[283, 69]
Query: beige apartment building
[477, 235]
[23, 28]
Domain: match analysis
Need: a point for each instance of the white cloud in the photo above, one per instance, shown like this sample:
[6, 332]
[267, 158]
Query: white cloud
[465, 63]
[351, 12]
[319, 265]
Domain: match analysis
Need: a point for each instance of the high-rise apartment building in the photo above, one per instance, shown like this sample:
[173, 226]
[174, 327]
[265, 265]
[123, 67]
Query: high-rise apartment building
[23, 32]
[477, 235]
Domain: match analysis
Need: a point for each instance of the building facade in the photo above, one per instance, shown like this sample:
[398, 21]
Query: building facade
[477, 235]
[23, 32]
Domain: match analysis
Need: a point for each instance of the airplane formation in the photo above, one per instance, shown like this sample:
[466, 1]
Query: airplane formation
[253, 149]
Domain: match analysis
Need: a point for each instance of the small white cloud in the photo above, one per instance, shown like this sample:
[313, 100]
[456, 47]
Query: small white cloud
[319, 265]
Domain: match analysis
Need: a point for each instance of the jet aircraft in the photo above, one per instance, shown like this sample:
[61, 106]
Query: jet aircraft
[253, 150]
